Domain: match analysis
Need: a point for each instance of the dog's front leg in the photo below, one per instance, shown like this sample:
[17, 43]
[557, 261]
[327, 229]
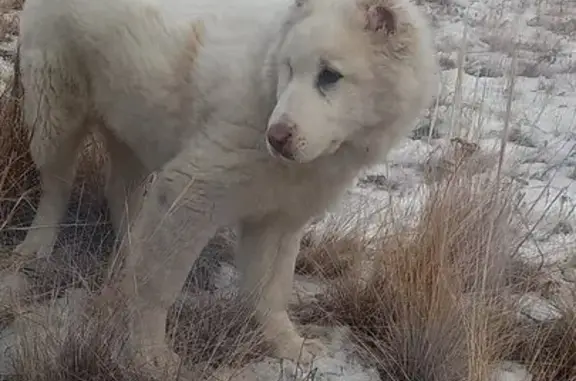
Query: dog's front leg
[266, 257]
[176, 220]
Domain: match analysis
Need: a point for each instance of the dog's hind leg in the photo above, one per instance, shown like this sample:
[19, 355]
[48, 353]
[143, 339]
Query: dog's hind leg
[123, 190]
[55, 112]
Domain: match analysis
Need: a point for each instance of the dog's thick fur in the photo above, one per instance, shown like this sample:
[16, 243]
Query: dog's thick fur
[192, 89]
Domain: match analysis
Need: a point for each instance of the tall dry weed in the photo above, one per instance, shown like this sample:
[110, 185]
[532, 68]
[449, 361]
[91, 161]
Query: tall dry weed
[425, 308]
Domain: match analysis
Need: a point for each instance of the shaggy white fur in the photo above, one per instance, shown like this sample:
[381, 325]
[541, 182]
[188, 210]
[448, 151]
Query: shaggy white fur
[253, 112]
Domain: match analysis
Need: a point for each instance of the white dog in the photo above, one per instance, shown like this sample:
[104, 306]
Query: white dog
[254, 112]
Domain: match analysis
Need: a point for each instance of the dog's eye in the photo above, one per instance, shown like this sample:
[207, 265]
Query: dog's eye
[327, 77]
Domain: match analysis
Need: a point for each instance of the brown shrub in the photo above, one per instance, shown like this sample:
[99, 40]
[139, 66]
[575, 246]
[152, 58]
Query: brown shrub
[329, 257]
[547, 347]
[426, 309]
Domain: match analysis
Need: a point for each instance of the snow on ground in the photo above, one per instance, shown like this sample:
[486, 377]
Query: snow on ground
[540, 38]
[541, 150]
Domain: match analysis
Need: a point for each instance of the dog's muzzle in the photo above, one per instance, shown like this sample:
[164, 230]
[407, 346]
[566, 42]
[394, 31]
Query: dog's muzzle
[280, 138]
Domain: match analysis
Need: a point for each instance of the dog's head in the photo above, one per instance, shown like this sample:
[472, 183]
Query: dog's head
[354, 72]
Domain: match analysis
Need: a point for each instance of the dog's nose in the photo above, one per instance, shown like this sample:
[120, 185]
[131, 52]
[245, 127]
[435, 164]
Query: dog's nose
[280, 136]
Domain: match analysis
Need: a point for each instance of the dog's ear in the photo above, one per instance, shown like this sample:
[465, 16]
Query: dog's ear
[380, 18]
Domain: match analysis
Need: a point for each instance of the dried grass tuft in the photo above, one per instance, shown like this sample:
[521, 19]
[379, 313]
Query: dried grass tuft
[547, 347]
[218, 331]
[425, 309]
[17, 176]
[328, 257]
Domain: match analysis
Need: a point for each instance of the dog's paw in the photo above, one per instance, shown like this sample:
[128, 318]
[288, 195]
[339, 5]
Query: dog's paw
[299, 350]
[159, 361]
[33, 250]
[14, 287]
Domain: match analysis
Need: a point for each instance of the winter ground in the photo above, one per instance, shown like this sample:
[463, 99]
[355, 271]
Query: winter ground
[492, 52]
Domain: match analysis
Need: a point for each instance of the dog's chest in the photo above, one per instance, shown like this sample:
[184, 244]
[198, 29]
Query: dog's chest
[298, 193]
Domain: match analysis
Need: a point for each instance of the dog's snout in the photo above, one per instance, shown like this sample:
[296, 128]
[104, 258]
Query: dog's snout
[280, 138]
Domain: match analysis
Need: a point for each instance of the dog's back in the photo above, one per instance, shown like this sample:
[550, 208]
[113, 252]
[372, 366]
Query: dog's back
[129, 61]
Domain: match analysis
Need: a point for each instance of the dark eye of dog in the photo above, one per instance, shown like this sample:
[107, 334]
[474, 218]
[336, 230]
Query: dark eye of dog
[327, 77]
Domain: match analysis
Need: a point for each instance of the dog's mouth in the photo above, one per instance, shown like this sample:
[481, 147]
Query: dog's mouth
[290, 157]
[280, 154]
[333, 147]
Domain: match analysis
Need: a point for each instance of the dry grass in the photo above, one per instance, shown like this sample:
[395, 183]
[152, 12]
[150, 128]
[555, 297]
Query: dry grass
[78, 340]
[548, 348]
[422, 311]
[329, 257]
[440, 302]
[18, 176]
[215, 332]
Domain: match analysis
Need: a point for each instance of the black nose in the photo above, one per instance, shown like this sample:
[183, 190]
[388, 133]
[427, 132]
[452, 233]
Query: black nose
[280, 138]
